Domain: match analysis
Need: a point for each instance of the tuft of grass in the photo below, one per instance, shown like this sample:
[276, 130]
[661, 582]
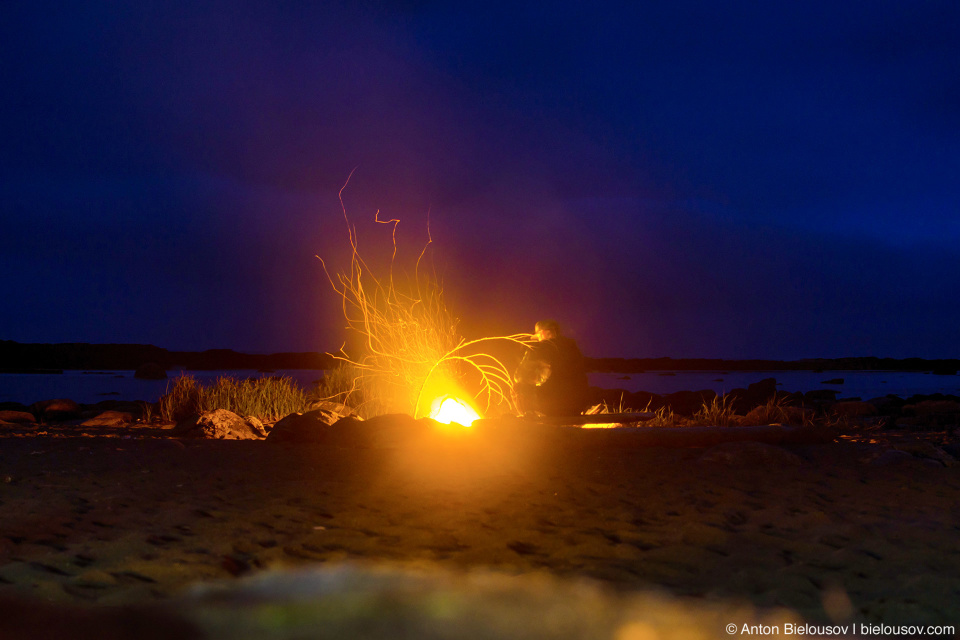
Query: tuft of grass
[147, 413]
[775, 411]
[268, 399]
[664, 417]
[602, 408]
[342, 385]
[409, 348]
[718, 412]
[182, 399]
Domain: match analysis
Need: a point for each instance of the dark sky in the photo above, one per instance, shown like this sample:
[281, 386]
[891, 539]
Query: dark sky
[689, 179]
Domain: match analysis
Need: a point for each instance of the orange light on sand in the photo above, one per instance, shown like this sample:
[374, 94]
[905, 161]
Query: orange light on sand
[449, 410]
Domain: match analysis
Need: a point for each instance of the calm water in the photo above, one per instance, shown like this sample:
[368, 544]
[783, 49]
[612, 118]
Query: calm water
[91, 387]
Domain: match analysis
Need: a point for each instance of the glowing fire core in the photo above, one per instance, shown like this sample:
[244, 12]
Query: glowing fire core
[448, 410]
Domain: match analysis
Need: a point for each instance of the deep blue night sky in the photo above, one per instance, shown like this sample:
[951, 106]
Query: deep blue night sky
[688, 179]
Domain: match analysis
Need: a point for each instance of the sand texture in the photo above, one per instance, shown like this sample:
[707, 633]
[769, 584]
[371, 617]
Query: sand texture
[831, 532]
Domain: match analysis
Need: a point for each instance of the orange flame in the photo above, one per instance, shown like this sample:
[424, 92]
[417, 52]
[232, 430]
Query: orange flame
[449, 410]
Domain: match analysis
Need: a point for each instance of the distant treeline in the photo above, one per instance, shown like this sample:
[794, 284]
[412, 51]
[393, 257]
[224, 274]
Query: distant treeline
[17, 357]
[638, 365]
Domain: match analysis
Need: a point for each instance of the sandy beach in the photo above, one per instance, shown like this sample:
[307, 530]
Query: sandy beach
[838, 531]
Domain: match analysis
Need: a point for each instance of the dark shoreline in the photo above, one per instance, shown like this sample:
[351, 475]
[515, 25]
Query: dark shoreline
[18, 357]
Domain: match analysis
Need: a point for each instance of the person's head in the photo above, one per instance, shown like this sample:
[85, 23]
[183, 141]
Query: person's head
[547, 329]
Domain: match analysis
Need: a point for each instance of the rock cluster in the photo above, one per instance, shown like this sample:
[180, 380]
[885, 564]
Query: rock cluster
[921, 412]
[220, 425]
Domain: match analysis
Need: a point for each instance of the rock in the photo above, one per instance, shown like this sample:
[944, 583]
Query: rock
[927, 451]
[788, 415]
[312, 426]
[764, 389]
[383, 432]
[933, 408]
[914, 423]
[256, 424]
[854, 409]
[59, 409]
[17, 416]
[930, 413]
[953, 449]
[888, 404]
[108, 419]
[340, 409]
[892, 457]
[742, 454]
[327, 426]
[833, 381]
[150, 371]
[820, 396]
[689, 402]
[219, 425]
[645, 401]
[124, 406]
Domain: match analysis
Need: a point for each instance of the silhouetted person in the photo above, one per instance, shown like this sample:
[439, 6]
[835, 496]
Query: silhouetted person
[551, 378]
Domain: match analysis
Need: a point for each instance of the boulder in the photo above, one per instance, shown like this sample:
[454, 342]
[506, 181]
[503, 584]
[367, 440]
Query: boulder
[762, 415]
[688, 403]
[340, 409]
[312, 426]
[931, 413]
[933, 407]
[891, 458]
[21, 417]
[750, 454]
[854, 409]
[917, 423]
[756, 394]
[645, 401]
[218, 425]
[381, 432]
[150, 371]
[927, 451]
[125, 406]
[820, 396]
[764, 389]
[59, 409]
[108, 419]
[952, 449]
[888, 404]
[256, 424]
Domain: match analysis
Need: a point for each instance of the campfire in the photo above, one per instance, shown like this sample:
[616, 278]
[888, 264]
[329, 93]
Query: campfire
[409, 356]
[450, 410]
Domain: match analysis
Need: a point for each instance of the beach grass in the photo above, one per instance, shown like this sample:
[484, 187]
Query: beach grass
[268, 399]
